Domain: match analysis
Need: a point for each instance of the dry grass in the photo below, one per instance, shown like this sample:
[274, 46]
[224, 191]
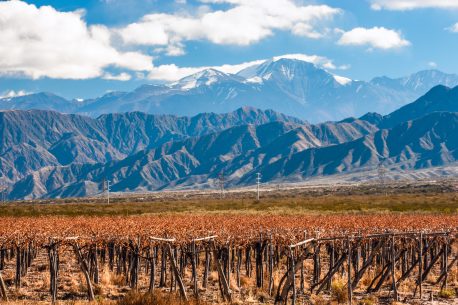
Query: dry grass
[245, 281]
[262, 296]
[132, 298]
[363, 199]
[369, 300]
[397, 303]
[213, 276]
[155, 299]
[367, 278]
[447, 293]
[319, 300]
[339, 291]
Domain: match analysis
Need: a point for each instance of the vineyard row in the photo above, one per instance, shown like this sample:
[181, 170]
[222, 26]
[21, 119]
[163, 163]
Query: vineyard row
[307, 266]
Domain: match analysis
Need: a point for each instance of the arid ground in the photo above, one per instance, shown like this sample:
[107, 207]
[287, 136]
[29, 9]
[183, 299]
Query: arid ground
[283, 216]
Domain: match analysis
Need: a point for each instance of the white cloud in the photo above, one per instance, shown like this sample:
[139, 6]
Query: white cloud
[43, 42]
[376, 37]
[320, 61]
[173, 72]
[121, 76]
[453, 28]
[432, 64]
[306, 30]
[244, 23]
[413, 4]
[12, 93]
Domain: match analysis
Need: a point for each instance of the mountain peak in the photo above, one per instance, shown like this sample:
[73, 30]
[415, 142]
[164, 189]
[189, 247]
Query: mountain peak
[205, 77]
[372, 117]
[286, 68]
[290, 70]
[439, 89]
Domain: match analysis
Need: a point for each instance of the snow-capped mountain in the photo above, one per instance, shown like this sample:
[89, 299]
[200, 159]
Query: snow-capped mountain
[291, 86]
[207, 78]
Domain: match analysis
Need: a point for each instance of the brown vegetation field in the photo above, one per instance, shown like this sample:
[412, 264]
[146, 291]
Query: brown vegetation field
[304, 245]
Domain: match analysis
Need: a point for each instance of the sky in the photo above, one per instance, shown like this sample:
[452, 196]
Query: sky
[84, 49]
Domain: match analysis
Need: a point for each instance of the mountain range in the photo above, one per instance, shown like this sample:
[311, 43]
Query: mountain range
[290, 86]
[46, 154]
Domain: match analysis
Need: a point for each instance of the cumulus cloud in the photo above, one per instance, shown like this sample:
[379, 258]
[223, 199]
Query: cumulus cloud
[12, 93]
[43, 42]
[173, 72]
[243, 23]
[453, 28]
[317, 60]
[376, 37]
[413, 4]
[432, 64]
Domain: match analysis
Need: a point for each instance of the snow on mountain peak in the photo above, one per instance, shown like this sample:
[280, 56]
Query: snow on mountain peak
[205, 77]
[254, 80]
[342, 80]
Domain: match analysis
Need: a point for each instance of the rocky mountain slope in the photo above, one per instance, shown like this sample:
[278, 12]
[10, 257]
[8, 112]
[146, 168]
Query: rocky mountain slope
[439, 98]
[72, 155]
[34, 139]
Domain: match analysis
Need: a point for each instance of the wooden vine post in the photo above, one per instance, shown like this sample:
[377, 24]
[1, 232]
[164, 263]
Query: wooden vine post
[173, 264]
[177, 273]
[293, 276]
[195, 263]
[393, 268]
[152, 262]
[3, 290]
[420, 265]
[349, 255]
[271, 267]
[18, 276]
[85, 270]
[445, 266]
[226, 291]
[53, 257]
[194, 269]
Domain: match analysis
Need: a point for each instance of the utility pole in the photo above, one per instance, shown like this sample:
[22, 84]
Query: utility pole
[381, 171]
[258, 183]
[108, 191]
[3, 192]
[221, 184]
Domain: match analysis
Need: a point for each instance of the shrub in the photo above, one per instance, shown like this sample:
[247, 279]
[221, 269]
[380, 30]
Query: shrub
[368, 301]
[447, 293]
[339, 291]
[135, 298]
[319, 300]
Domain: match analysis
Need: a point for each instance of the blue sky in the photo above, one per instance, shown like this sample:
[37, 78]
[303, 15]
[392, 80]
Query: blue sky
[82, 49]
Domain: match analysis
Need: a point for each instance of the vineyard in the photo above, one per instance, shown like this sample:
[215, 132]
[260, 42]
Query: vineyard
[231, 258]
